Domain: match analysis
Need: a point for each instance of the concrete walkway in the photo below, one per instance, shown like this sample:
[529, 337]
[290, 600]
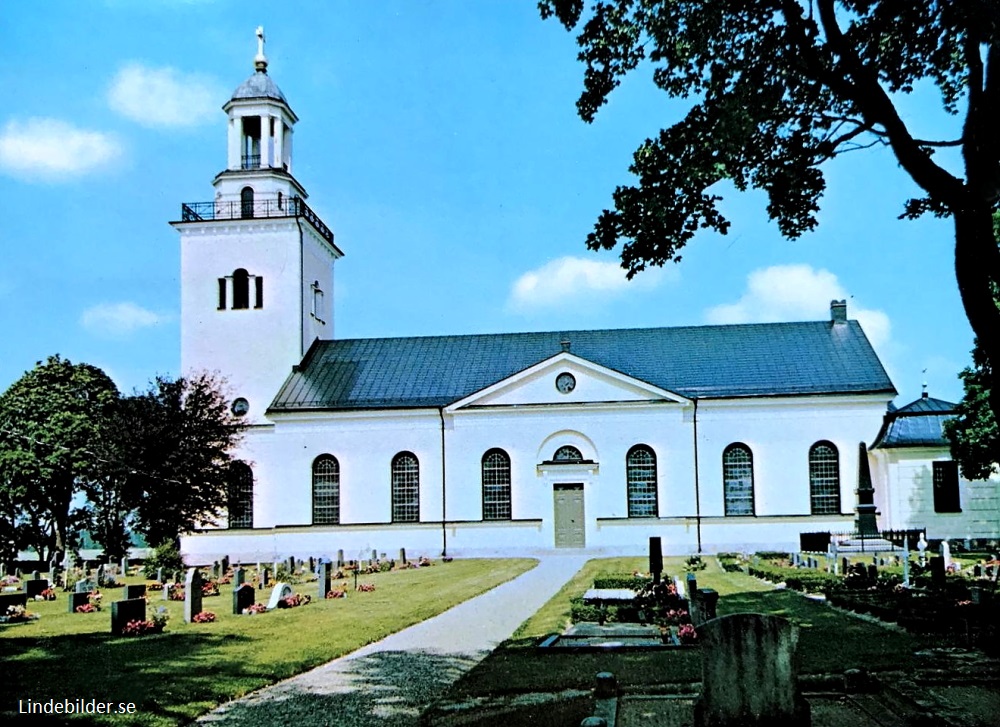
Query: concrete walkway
[393, 680]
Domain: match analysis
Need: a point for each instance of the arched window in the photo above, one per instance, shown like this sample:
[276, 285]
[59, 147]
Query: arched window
[240, 495]
[241, 289]
[737, 479]
[640, 473]
[567, 454]
[496, 485]
[246, 203]
[405, 488]
[326, 490]
[824, 479]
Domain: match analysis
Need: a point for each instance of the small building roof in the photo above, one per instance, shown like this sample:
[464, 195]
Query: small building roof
[917, 424]
[259, 85]
[748, 360]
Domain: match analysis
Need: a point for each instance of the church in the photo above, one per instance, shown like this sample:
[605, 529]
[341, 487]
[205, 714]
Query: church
[714, 438]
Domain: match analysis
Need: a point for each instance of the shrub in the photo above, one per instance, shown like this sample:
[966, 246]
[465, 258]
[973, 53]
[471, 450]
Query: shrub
[621, 580]
[694, 563]
[772, 555]
[166, 556]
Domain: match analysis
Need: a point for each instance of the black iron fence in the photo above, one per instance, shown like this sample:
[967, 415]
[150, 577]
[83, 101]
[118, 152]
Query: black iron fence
[258, 208]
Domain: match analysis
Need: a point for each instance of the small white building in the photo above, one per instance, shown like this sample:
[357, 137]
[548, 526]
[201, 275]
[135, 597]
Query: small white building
[711, 437]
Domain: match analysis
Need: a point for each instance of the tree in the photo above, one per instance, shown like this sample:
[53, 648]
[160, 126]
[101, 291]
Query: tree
[48, 427]
[781, 86]
[973, 433]
[173, 447]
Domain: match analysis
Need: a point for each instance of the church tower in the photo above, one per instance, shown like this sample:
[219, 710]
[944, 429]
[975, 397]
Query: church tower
[256, 262]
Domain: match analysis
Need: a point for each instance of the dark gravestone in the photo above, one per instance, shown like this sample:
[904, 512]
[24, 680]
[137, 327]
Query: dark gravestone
[239, 576]
[35, 575]
[124, 611]
[750, 673]
[137, 591]
[312, 564]
[845, 566]
[692, 583]
[977, 571]
[340, 557]
[323, 574]
[374, 555]
[225, 565]
[291, 565]
[872, 573]
[35, 586]
[192, 594]
[265, 578]
[12, 599]
[216, 570]
[402, 557]
[702, 604]
[76, 600]
[656, 558]
[243, 597]
[937, 571]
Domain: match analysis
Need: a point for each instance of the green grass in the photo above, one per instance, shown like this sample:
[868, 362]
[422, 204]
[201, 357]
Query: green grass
[190, 668]
[829, 641]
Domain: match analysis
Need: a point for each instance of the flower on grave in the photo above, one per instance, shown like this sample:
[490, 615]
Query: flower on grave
[337, 593]
[205, 617]
[141, 628]
[176, 592]
[210, 589]
[296, 599]
[366, 587]
[160, 617]
[87, 608]
[224, 580]
[254, 608]
[19, 614]
[154, 586]
[9, 581]
[47, 595]
[687, 634]
[424, 561]
[963, 603]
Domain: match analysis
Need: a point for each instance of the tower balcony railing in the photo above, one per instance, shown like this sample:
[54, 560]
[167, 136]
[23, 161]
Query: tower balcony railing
[250, 161]
[257, 209]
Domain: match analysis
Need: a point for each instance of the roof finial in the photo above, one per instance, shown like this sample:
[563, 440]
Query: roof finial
[923, 387]
[260, 60]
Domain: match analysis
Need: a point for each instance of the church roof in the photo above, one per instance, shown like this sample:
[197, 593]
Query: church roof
[259, 85]
[749, 360]
[918, 424]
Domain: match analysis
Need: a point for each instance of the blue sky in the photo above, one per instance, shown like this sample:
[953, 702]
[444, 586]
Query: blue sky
[439, 141]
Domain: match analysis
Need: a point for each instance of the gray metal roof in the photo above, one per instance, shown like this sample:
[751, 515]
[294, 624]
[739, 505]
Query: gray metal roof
[751, 360]
[259, 85]
[918, 424]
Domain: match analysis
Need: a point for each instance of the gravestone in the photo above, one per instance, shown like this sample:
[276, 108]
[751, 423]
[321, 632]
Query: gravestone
[291, 565]
[946, 554]
[937, 571]
[845, 565]
[122, 612]
[225, 565]
[159, 575]
[323, 575]
[656, 558]
[258, 569]
[192, 594]
[19, 598]
[125, 567]
[177, 576]
[53, 570]
[275, 567]
[100, 575]
[136, 591]
[76, 600]
[692, 583]
[312, 564]
[702, 605]
[216, 570]
[280, 591]
[265, 578]
[977, 571]
[243, 597]
[402, 557]
[18, 574]
[85, 585]
[750, 673]
[922, 549]
[872, 573]
[238, 577]
[906, 561]
[35, 586]
[679, 585]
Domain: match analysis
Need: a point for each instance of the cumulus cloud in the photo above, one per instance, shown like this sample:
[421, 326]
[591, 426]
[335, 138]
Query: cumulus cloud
[568, 281]
[118, 319]
[54, 150]
[798, 293]
[164, 97]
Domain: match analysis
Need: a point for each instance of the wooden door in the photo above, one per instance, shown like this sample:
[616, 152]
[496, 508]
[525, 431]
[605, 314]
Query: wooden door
[569, 516]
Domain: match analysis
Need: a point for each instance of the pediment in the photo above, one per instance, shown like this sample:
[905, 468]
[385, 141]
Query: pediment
[566, 379]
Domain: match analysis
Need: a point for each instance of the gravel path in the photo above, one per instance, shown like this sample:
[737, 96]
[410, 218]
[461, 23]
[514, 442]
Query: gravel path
[391, 681]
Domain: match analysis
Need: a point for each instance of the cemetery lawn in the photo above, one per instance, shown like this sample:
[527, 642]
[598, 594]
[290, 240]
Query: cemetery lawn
[829, 641]
[175, 676]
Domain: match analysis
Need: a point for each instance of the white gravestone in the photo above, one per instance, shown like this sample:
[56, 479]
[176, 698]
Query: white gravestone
[279, 592]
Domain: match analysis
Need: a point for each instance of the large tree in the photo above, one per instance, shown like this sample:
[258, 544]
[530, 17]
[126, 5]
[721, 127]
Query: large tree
[49, 426]
[779, 87]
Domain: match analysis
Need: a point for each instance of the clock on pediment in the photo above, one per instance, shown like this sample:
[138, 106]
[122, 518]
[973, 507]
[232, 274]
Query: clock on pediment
[240, 407]
[565, 382]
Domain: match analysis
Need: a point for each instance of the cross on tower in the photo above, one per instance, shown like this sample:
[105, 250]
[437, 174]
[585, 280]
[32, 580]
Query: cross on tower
[260, 61]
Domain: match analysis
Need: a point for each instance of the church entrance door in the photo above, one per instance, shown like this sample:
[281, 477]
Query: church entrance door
[568, 515]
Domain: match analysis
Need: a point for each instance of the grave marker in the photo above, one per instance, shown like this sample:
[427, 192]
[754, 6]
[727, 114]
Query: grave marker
[135, 591]
[922, 549]
[125, 567]
[937, 571]
[192, 594]
[312, 564]
[35, 586]
[7, 600]
[340, 557]
[76, 600]
[265, 578]
[124, 611]
[402, 556]
[243, 597]
[946, 554]
[85, 585]
[762, 650]
[159, 575]
[656, 558]
[279, 592]
[323, 574]
[238, 577]
[225, 565]
[291, 565]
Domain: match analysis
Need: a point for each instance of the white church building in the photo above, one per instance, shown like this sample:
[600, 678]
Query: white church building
[710, 437]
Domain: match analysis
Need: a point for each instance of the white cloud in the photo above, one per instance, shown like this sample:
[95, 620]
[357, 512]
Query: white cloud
[798, 293]
[54, 150]
[570, 281]
[118, 319]
[164, 97]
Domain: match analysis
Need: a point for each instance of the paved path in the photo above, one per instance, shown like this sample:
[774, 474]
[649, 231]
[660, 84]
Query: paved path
[391, 681]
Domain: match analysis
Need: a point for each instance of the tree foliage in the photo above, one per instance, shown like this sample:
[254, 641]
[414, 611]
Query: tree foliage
[973, 433]
[155, 462]
[779, 87]
[49, 421]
